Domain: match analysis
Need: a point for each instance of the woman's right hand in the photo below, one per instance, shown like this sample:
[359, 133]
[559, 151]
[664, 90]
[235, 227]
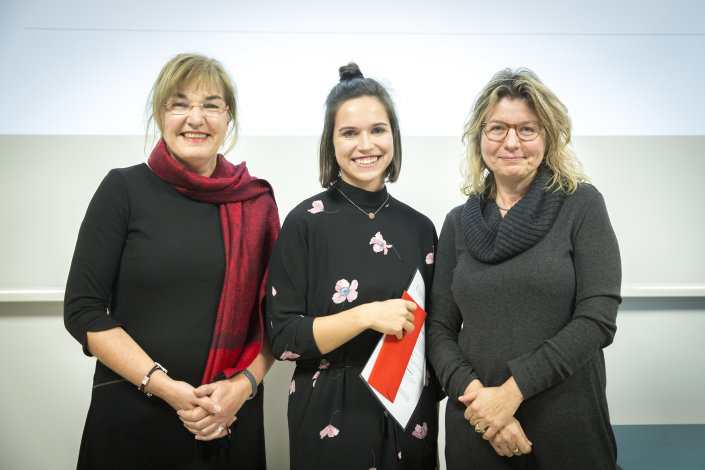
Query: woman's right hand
[179, 395]
[391, 317]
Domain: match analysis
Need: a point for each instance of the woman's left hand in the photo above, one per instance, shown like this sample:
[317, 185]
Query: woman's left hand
[491, 408]
[230, 395]
[511, 441]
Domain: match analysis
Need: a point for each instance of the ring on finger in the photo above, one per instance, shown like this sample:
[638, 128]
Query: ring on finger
[516, 450]
[478, 429]
[220, 429]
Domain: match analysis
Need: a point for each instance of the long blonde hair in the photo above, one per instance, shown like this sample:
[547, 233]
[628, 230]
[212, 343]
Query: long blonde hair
[560, 159]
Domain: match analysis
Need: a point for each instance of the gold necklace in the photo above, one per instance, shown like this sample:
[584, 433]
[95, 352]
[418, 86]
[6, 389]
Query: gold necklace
[371, 215]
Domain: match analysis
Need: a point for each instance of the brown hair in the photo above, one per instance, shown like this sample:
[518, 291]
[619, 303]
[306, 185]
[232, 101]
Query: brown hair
[354, 85]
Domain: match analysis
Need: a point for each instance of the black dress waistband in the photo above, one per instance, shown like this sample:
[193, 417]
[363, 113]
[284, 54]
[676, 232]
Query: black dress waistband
[329, 363]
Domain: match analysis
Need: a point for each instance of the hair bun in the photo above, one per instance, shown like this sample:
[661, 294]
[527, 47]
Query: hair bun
[350, 72]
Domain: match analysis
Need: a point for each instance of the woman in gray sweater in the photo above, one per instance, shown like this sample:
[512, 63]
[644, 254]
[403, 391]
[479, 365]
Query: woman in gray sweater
[526, 292]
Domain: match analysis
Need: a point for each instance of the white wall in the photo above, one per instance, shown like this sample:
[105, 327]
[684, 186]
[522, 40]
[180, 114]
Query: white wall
[76, 75]
[622, 67]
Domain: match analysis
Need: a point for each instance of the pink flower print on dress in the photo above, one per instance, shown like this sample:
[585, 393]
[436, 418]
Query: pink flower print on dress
[420, 431]
[274, 291]
[292, 387]
[379, 244]
[430, 258]
[345, 290]
[399, 455]
[318, 207]
[324, 364]
[288, 354]
[315, 377]
[330, 430]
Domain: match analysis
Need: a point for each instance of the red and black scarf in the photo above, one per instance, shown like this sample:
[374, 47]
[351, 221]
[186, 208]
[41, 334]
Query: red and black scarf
[250, 223]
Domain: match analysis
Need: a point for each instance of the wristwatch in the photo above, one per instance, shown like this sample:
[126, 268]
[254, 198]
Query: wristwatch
[253, 382]
[156, 367]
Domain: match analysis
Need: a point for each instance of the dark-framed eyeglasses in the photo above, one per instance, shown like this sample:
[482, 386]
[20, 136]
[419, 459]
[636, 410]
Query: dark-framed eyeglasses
[497, 130]
[212, 109]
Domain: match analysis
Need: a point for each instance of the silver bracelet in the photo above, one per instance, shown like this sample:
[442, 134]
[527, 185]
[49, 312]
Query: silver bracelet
[253, 382]
[146, 378]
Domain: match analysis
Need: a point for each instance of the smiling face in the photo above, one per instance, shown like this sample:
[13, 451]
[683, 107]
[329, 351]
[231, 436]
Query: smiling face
[363, 142]
[193, 139]
[513, 161]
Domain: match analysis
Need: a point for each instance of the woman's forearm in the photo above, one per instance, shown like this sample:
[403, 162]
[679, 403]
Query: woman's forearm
[392, 317]
[262, 362]
[331, 332]
[117, 350]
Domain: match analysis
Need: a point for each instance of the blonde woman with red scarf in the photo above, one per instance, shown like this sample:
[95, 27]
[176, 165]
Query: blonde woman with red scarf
[166, 289]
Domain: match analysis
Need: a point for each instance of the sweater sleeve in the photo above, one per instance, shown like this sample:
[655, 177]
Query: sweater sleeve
[444, 320]
[593, 324]
[290, 330]
[96, 261]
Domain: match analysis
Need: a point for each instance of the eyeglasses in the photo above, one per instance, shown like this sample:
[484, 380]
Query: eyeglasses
[498, 130]
[211, 109]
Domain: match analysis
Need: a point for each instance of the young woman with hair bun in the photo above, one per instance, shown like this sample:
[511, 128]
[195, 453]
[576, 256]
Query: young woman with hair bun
[335, 282]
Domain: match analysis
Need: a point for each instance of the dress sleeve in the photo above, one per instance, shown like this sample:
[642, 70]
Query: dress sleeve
[96, 260]
[289, 328]
[592, 327]
[444, 320]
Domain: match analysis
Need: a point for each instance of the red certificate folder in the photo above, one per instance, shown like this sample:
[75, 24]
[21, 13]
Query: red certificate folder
[394, 356]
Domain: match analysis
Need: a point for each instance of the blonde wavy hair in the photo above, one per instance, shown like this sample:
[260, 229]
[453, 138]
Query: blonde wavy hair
[191, 69]
[560, 159]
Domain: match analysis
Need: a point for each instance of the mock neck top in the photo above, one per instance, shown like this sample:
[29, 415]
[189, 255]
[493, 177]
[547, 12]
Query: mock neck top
[370, 200]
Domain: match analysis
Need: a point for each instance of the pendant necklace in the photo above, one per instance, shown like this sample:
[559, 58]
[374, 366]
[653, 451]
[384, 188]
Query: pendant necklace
[371, 215]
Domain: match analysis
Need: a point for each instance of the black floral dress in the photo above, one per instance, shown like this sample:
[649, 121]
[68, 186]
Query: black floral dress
[331, 257]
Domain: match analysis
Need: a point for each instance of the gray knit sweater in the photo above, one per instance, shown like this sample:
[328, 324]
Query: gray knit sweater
[539, 313]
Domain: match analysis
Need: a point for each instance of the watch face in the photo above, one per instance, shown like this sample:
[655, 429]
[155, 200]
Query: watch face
[148, 376]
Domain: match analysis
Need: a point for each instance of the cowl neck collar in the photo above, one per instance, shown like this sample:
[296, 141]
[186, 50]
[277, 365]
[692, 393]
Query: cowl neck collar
[492, 239]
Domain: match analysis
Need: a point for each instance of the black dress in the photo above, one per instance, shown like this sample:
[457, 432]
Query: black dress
[330, 257]
[155, 260]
